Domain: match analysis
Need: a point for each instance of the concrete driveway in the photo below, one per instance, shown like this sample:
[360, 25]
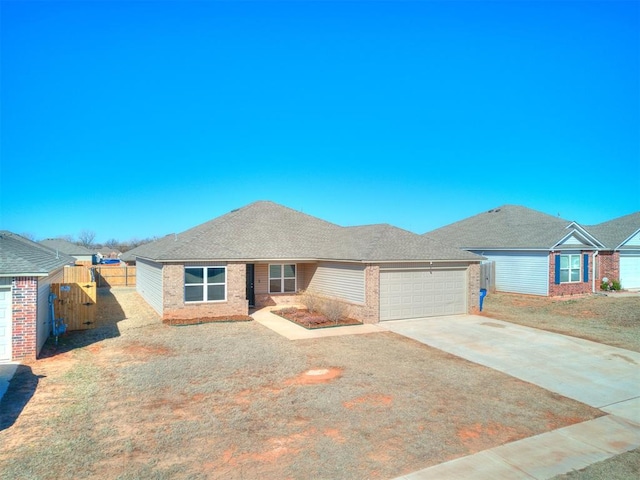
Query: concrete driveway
[604, 377]
[601, 376]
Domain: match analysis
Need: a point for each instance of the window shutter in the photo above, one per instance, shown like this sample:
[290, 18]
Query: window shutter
[557, 269]
[585, 274]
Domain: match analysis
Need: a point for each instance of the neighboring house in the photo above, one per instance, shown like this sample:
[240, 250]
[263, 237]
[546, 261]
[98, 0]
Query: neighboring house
[83, 255]
[106, 252]
[265, 254]
[26, 271]
[533, 253]
[621, 258]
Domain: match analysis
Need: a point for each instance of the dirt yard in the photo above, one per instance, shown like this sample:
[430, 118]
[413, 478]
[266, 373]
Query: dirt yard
[613, 319]
[138, 399]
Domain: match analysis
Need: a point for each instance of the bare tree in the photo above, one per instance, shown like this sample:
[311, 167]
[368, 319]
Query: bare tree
[112, 243]
[86, 238]
[28, 235]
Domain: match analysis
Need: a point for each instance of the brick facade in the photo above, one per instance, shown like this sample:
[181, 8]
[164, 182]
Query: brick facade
[473, 284]
[25, 318]
[174, 306]
[608, 266]
[573, 288]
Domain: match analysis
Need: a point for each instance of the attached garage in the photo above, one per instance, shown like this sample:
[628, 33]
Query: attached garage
[407, 293]
[630, 270]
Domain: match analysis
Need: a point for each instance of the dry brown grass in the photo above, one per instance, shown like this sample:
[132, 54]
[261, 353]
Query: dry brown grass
[613, 320]
[139, 399]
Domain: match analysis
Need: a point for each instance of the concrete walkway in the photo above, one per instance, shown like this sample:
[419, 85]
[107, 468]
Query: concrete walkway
[604, 377]
[295, 332]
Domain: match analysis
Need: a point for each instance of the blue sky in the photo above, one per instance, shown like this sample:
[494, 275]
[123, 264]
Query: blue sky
[138, 119]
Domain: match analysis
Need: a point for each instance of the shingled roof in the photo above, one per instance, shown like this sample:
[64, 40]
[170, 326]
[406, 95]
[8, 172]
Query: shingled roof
[268, 231]
[508, 226]
[20, 256]
[617, 231]
[65, 246]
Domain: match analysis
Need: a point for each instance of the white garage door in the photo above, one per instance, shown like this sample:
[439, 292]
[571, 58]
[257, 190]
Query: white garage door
[5, 324]
[630, 271]
[422, 293]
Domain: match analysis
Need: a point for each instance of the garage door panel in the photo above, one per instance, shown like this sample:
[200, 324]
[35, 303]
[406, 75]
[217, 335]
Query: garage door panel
[422, 293]
[630, 271]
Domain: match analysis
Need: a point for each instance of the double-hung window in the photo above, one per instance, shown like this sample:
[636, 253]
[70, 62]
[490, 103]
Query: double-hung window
[205, 284]
[569, 268]
[282, 278]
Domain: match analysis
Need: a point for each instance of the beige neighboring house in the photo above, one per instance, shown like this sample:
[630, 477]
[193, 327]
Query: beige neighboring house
[620, 259]
[27, 269]
[266, 254]
[83, 255]
[539, 254]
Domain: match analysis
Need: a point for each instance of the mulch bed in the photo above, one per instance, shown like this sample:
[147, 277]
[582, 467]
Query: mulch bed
[197, 321]
[311, 321]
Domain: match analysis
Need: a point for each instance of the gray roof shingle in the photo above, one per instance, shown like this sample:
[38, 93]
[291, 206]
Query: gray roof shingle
[65, 246]
[268, 231]
[22, 257]
[509, 226]
[614, 232]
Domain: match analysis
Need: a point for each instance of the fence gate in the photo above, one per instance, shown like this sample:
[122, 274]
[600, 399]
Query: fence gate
[76, 304]
[488, 276]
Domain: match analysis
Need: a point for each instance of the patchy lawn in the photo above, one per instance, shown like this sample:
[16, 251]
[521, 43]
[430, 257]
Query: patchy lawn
[612, 320]
[138, 399]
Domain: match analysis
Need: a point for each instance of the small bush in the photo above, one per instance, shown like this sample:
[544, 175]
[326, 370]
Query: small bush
[287, 311]
[311, 300]
[610, 285]
[334, 310]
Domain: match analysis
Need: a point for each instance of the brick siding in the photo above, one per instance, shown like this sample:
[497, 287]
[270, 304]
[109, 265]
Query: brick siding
[608, 266]
[473, 294]
[174, 306]
[574, 288]
[25, 318]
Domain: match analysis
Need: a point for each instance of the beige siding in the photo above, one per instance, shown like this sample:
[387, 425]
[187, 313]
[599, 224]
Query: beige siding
[149, 283]
[43, 328]
[340, 280]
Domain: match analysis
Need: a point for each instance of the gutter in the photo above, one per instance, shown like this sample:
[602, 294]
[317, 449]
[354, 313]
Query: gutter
[593, 269]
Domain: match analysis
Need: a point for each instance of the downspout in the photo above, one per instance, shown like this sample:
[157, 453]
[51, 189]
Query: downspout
[593, 269]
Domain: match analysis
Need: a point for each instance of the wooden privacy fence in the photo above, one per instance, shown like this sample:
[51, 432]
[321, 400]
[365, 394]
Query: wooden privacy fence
[115, 276]
[488, 276]
[75, 303]
[78, 274]
[103, 275]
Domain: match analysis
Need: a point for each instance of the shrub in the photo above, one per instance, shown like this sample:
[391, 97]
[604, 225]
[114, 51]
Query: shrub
[333, 309]
[608, 285]
[287, 311]
[311, 300]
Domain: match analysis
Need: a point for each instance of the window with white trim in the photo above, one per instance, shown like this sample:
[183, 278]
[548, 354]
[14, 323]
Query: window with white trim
[282, 278]
[205, 284]
[569, 268]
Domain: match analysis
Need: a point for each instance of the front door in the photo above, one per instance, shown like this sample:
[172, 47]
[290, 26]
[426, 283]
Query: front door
[250, 290]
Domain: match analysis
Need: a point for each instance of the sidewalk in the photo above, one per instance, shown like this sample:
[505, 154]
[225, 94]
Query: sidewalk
[542, 456]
